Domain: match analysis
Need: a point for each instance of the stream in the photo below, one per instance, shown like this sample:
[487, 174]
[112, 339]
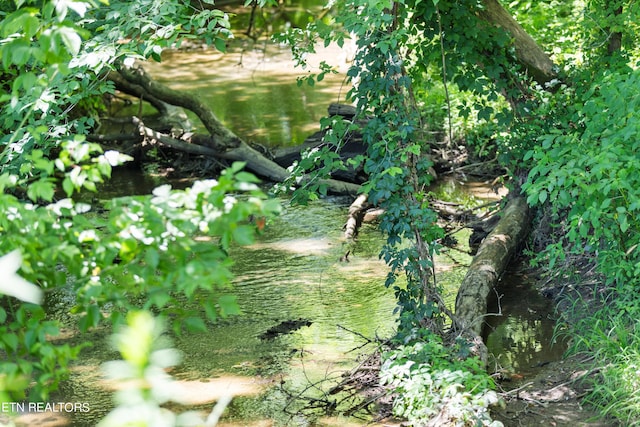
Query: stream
[292, 275]
[292, 278]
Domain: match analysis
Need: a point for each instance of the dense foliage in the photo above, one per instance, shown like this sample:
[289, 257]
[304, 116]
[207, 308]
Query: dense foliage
[155, 252]
[584, 179]
[401, 46]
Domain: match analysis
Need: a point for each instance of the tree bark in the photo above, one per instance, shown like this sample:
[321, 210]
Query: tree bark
[355, 217]
[489, 264]
[615, 37]
[528, 52]
[125, 86]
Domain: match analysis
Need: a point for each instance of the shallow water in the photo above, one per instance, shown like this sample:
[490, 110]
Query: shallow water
[522, 340]
[252, 89]
[293, 273]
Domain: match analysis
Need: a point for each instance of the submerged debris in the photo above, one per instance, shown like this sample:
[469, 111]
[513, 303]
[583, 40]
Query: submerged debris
[285, 327]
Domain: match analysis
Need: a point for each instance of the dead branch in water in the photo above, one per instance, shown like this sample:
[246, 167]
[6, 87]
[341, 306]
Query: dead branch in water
[219, 143]
[355, 393]
[355, 216]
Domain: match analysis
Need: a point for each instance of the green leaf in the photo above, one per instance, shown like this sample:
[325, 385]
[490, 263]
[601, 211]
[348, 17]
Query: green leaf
[160, 298]
[67, 186]
[393, 171]
[91, 318]
[10, 340]
[195, 324]
[128, 249]
[244, 235]
[91, 186]
[542, 196]
[210, 311]
[152, 257]
[247, 177]
[42, 189]
[220, 44]
[228, 305]
[624, 222]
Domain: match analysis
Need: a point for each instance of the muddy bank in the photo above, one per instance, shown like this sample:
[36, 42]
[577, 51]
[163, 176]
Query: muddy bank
[550, 398]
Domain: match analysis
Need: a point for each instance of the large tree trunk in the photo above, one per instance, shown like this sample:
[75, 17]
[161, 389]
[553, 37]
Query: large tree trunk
[528, 52]
[489, 264]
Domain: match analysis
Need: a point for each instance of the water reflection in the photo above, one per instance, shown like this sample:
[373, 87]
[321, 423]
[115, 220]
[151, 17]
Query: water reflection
[522, 339]
[254, 91]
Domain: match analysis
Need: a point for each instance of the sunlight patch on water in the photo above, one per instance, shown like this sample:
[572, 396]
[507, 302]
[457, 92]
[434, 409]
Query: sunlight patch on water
[206, 391]
[311, 246]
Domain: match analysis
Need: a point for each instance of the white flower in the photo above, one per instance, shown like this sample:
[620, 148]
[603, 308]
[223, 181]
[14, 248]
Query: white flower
[229, 202]
[87, 236]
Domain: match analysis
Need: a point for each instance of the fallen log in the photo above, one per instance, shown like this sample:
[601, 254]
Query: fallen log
[221, 141]
[360, 211]
[255, 161]
[492, 259]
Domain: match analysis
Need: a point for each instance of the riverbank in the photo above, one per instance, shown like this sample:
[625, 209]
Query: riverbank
[553, 395]
[550, 398]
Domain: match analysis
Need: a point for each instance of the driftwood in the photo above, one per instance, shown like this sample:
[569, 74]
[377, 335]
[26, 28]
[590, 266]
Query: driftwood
[360, 212]
[259, 164]
[220, 143]
[489, 264]
[355, 217]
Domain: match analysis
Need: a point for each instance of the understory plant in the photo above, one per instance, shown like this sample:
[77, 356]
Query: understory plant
[585, 180]
[166, 252]
[436, 385]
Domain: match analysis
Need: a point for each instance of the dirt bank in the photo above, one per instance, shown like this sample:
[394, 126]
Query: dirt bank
[550, 398]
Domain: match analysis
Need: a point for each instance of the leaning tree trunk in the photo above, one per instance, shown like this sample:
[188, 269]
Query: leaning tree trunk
[221, 142]
[489, 264]
[531, 56]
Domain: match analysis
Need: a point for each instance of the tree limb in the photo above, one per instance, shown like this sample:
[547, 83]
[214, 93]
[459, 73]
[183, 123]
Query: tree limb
[528, 52]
